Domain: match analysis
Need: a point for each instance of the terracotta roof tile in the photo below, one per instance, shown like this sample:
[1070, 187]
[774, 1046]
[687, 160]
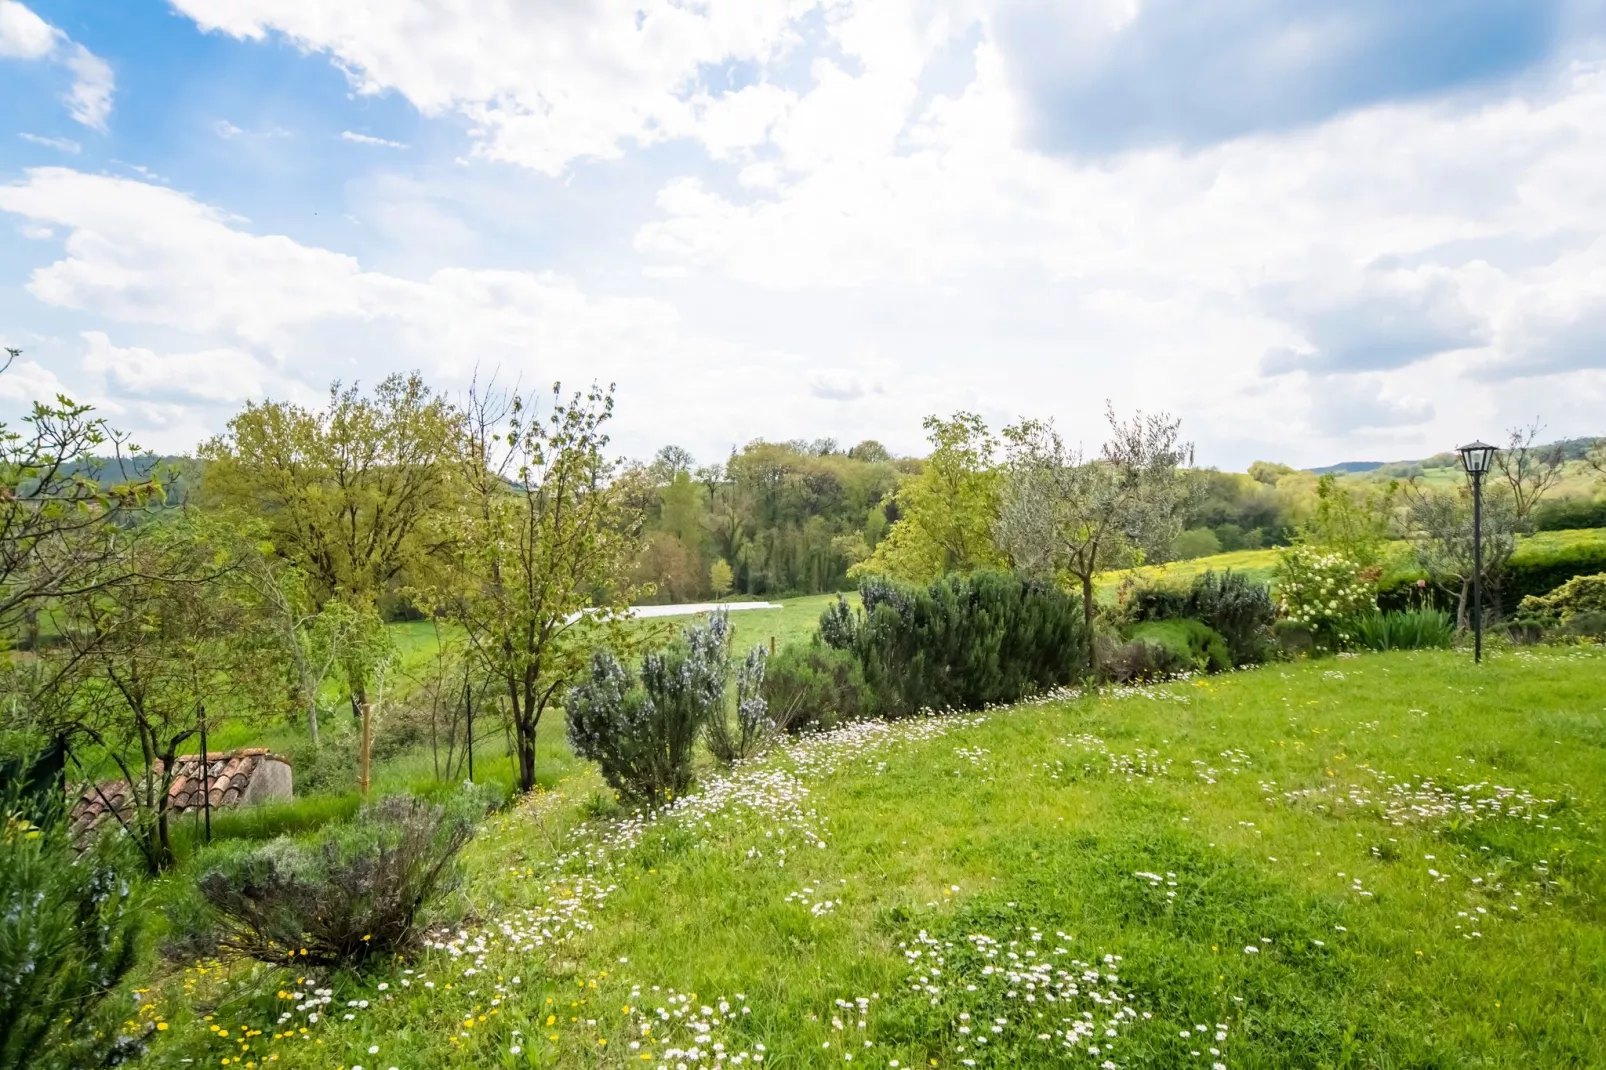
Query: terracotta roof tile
[228, 777]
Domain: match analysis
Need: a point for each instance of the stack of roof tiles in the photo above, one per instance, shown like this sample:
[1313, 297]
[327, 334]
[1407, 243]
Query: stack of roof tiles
[227, 779]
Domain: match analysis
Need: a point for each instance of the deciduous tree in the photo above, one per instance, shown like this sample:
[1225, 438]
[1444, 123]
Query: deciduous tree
[948, 512]
[145, 664]
[546, 541]
[1528, 469]
[354, 495]
[66, 479]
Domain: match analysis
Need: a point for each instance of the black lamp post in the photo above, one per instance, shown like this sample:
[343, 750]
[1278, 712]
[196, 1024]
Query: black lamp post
[1476, 458]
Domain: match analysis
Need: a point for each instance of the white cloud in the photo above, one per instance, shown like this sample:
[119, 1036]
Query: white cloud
[264, 314]
[26, 381]
[364, 139]
[871, 184]
[91, 99]
[544, 84]
[60, 144]
[24, 35]
[225, 374]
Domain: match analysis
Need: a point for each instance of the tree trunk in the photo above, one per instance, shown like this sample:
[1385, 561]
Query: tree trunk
[312, 719]
[1461, 606]
[525, 741]
[365, 744]
[1087, 620]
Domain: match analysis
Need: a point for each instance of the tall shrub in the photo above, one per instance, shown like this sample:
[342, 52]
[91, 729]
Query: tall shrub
[352, 898]
[754, 726]
[1325, 593]
[809, 684]
[643, 731]
[1579, 597]
[963, 641]
[1237, 607]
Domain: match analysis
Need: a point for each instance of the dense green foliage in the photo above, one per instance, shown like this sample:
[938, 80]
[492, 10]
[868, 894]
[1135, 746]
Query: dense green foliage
[1233, 604]
[946, 513]
[68, 932]
[1243, 512]
[1239, 609]
[1536, 569]
[1195, 643]
[963, 642]
[1577, 607]
[1565, 514]
[810, 684]
[351, 898]
[1324, 592]
[1139, 660]
[784, 517]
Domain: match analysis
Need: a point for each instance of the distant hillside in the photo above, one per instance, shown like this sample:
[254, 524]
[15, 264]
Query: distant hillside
[1349, 467]
[1572, 449]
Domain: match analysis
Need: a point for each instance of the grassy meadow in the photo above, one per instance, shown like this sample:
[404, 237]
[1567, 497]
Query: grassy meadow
[1380, 861]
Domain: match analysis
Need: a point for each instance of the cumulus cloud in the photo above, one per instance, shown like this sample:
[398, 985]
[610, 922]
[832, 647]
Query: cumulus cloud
[226, 374]
[24, 35]
[1345, 406]
[1385, 319]
[544, 84]
[1287, 244]
[274, 316]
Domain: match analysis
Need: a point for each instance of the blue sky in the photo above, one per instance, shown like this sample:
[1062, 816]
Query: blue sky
[1314, 229]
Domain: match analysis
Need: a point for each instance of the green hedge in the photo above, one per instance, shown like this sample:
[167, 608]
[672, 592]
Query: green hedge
[964, 642]
[1566, 514]
[1532, 570]
[1540, 571]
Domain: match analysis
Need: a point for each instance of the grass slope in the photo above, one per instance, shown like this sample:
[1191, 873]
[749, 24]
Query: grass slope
[1386, 861]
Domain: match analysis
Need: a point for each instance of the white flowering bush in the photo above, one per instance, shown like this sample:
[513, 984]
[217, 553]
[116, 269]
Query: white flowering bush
[1325, 592]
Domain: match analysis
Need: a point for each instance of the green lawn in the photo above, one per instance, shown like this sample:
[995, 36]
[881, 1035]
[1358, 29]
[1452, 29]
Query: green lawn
[1386, 861]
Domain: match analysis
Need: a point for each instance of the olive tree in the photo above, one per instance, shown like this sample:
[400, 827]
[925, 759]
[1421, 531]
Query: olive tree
[1439, 525]
[1062, 514]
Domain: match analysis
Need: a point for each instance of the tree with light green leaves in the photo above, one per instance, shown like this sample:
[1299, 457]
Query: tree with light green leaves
[1354, 521]
[357, 496]
[142, 670]
[547, 537]
[720, 578]
[947, 513]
